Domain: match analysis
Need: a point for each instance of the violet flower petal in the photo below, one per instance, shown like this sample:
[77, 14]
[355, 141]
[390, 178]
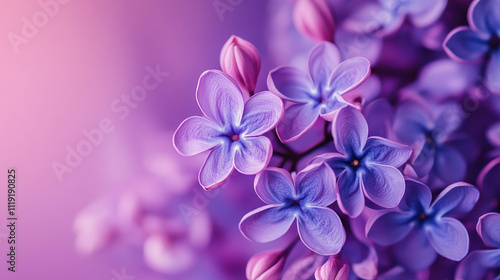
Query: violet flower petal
[266, 223]
[349, 74]
[493, 71]
[317, 185]
[384, 185]
[388, 228]
[456, 199]
[220, 98]
[350, 131]
[274, 185]
[488, 227]
[417, 196]
[297, 120]
[262, 112]
[484, 16]
[414, 252]
[450, 238]
[196, 135]
[464, 44]
[323, 59]
[449, 165]
[386, 152]
[291, 84]
[475, 265]
[351, 198]
[321, 230]
[252, 154]
[218, 166]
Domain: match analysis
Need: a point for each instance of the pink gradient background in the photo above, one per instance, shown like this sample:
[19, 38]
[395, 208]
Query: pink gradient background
[64, 80]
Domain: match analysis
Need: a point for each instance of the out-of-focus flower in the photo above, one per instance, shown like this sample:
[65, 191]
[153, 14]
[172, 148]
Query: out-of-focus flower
[320, 94]
[420, 230]
[240, 60]
[333, 269]
[305, 198]
[489, 181]
[231, 129]
[364, 166]
[421, 12]
[314, 20]
[267, 265]
[399, 272]
[477, 263]
[480, 40]
[430, 136]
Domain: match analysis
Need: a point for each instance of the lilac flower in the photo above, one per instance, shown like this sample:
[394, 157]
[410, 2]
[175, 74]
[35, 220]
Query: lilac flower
[421, 12]
[477, 263]
[365, 166]
[431, 137]
[481, 40]
[314, 20]
[420, 230]
[230, 129]
[240, 60]
[304, 197]
[320, 94]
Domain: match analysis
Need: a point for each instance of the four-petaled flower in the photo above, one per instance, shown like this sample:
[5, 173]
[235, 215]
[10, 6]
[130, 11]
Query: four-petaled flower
[317, 95]
[481, 40]
[420, 230]
[231, 129]
[364, 166]
[477, 263]
[304, 197]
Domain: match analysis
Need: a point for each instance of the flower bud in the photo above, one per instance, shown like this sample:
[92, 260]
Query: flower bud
[314, 20]
[267, 265]
[333, 269]
[240, 60]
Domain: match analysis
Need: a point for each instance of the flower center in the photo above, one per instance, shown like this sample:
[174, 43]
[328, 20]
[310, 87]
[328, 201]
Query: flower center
[235, 137]
[422, 216]
[355, 163]
[494, 42]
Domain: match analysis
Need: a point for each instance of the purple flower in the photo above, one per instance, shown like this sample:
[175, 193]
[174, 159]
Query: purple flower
[304, 197]
[431, 137]
[477, 263]
[320, 94]
[421, 12]
[481, 40]
[420, 230]
[231, 129]
[364, 166]
[314, 20]
[240, 60]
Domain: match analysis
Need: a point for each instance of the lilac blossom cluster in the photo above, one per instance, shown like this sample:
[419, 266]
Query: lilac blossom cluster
[381, 156]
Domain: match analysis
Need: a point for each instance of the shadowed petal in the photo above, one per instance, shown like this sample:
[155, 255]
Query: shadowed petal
[489, 177]
[274, 185]
[196, 135]
[450, 238]
[218, 167]
[316, 185]
[321, 230]
[424, 161]
[488, 227]
[388, 228]
[424, 13]
[383, 151]
[323, 59]
[417, 197]
[262, 112]
[411, 122]
[349, 74]
[351, 198]
[449, 165]
[414, 252]
[383, 185]
[298, 119]
[493, 71]
[484, 15]
[458, 198]
[332, 107]
[252, 154]
[463, 44]
[266, 223]
[350, 131]
[475, 265]
[336, 161]
[493, 134]
[220, 98]
[292, 84]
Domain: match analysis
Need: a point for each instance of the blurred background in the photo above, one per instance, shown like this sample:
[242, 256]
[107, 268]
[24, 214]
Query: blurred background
[101, 194]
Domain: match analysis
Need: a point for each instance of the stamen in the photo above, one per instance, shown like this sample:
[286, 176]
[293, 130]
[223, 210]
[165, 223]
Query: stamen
[235, 137]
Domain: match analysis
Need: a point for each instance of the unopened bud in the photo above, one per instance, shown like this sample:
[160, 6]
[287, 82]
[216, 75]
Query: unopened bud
[314, 20]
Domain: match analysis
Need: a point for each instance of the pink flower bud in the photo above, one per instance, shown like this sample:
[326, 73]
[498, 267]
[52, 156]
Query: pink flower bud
[267, 265]
[333, 269]
[314, 19]
[240, 60]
